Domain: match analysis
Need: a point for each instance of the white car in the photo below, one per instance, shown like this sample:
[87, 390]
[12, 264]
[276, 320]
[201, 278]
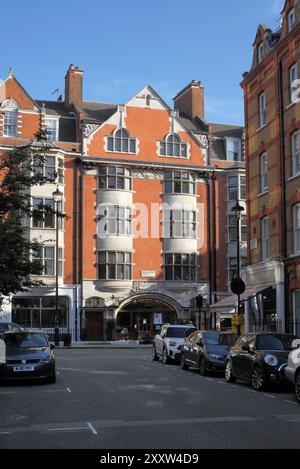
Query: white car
[168, 344]
[292, 371]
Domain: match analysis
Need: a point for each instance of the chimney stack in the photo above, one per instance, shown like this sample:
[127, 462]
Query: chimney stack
[190, 100]
[73, 87]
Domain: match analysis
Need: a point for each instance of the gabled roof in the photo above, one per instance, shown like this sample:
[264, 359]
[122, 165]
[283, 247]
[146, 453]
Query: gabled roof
[12, 77]
[97, 112]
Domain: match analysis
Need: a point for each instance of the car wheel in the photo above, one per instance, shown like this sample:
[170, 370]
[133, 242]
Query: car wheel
[184, 366]
[154, 354]
[229, 373]
[202, 367]
[297, 386]
[258, 379]
[165, 357]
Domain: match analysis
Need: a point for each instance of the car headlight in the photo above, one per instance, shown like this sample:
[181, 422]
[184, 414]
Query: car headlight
[172, 344]
[215, 356]
[271, 360]
[46, 359]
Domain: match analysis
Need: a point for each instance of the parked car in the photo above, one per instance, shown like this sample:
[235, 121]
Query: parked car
[9, 326]
[292, 371]
[29, 355]
[168, 344]
[207, 350]
[259, 358]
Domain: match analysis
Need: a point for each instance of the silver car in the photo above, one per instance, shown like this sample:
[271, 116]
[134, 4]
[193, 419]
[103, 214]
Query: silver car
[292, 371]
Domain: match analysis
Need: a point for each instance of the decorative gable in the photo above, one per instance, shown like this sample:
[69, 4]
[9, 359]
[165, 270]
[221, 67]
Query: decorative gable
[148, 98]
[11, 89]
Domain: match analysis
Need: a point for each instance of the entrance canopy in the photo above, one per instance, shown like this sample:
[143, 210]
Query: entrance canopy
[230, 302]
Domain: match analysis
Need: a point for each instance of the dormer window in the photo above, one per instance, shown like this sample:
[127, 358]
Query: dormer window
[261, 52]
[121, 142]
[291, 20]
[51, 129]
[173, 146]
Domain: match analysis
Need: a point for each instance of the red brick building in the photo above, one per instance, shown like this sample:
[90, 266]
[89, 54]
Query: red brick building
[272, 116]
[148, 192]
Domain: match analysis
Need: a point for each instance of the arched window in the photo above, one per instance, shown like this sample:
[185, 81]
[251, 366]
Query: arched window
[121, 142]
[173, 146]
[295, 144]
[10, 108]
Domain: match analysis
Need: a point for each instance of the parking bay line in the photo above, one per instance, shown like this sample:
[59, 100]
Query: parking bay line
[103, 424]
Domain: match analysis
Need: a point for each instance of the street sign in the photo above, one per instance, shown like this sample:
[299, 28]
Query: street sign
[238, 287]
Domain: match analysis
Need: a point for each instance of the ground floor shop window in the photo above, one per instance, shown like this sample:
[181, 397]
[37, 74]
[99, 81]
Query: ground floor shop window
[40, 312]
[297, 311]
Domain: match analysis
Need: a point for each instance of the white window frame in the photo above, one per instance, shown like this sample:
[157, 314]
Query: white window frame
[296, 228]
[291, 19]
[264, 180]
[234, 141]
[265, 238]
[260, 52]
[13, 122]
[121, 137]
[295, 154]
[293, 81]
[56, 121]
[262, 110]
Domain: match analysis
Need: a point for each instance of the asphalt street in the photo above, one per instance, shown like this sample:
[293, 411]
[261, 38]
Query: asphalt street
[122, 399]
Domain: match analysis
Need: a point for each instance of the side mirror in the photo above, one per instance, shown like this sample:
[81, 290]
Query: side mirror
[248, 348]
[52, 346]
[199, 343]
[296, 344]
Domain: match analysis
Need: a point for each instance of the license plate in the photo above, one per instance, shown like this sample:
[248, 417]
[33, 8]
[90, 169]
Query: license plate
[23, 368]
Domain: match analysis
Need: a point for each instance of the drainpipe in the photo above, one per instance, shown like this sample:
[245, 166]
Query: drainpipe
[283, 194]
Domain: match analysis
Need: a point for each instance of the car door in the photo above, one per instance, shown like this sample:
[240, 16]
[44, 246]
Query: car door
[243, 359]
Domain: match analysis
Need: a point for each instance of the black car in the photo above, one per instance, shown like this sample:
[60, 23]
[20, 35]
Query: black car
[207, 350]
[259, 358]
[9, 326]
[29, 355]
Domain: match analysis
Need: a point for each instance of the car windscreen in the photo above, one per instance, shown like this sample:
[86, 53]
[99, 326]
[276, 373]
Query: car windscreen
[274, 342]
[3, 327]
[14, 341]
[226, 340]
[179, 333]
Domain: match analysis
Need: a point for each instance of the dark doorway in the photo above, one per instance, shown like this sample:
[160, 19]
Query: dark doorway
[138, 320]
[93, 325]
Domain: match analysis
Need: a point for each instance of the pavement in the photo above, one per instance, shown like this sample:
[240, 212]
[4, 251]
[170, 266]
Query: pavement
[121, 399]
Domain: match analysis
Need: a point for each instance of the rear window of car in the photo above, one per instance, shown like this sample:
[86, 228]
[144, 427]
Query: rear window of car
[274, 342]
[25, 340]
[227, 340]
[179, 333]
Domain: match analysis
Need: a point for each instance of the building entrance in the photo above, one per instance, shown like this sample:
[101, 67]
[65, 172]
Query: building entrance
[142, 318]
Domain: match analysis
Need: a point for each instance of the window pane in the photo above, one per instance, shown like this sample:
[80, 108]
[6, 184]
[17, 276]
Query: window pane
[111, 272]
[168, 273]
[177, 272]
[110, 144]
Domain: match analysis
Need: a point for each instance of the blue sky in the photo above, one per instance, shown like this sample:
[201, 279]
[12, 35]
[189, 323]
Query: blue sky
[124, 44]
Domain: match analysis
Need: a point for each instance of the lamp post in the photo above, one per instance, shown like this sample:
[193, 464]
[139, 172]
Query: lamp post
[238, 286]
[57, 197]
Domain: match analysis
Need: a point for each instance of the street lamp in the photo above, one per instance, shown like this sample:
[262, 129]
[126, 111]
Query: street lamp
[238, 286]
[57, 197]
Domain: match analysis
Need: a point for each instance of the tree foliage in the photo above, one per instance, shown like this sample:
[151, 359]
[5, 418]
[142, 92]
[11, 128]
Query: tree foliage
[20, 170]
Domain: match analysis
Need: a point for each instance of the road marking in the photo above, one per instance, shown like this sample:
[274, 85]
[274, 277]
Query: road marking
[291, 402]
[56, 390]
[92, 428]
[250, 390]
[5, 433]
[96, 372]
[66, 429]
[221, 382]
[270, 396]
[8, 392]
[69, 390]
